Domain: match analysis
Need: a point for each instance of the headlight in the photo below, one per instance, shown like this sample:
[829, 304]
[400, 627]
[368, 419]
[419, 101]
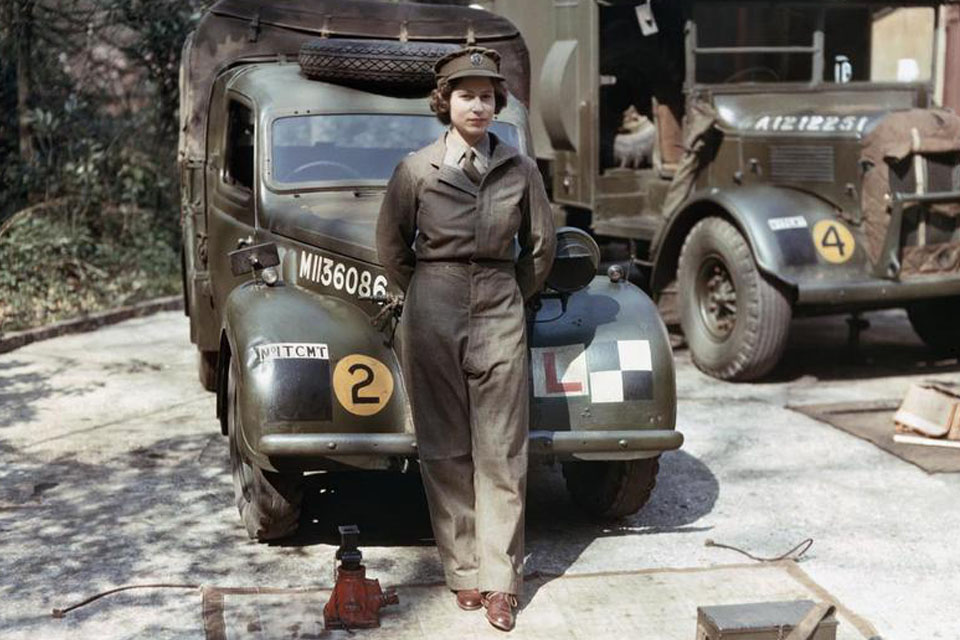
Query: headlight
[270, 276]
[576, 261]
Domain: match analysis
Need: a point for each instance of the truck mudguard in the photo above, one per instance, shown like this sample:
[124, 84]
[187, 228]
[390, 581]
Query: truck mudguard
[796, 237]
[308, 363]
[603, 364]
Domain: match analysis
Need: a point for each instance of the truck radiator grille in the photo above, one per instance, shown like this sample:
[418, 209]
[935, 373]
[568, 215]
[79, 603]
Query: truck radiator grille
[801, 163]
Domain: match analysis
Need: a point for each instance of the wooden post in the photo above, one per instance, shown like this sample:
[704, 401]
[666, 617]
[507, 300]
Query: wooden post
[951, 70]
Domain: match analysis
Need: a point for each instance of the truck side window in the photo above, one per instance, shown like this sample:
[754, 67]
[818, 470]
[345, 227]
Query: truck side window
[239, 152]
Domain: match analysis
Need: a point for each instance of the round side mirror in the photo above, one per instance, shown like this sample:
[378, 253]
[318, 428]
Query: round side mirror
[576, 262]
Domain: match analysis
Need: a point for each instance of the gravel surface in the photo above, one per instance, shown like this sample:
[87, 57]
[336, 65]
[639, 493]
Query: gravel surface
[114, 473]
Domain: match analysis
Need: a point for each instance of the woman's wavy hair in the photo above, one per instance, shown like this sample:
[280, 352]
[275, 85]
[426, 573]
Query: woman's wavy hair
[440, 97]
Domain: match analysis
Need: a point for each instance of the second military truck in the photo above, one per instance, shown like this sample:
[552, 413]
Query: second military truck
[763, 159]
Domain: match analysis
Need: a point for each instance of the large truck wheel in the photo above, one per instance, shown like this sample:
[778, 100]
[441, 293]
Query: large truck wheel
[735, 321]
[611, 489]
[269, 503]
[207, 369]
[936, 322]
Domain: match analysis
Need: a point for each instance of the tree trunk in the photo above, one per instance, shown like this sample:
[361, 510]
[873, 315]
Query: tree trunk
[23, 33]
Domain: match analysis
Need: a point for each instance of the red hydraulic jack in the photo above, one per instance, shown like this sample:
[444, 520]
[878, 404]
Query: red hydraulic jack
[356, 601]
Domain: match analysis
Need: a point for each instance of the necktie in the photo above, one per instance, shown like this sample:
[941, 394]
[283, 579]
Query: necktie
[469, 167]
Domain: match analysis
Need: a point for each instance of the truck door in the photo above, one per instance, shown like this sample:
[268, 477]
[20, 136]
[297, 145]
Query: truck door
[231, 180]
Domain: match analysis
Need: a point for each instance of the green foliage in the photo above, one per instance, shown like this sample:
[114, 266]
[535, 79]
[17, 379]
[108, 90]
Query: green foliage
[95, 85]
[55, 268]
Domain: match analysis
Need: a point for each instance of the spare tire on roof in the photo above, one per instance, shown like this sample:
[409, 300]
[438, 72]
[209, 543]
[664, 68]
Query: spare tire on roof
[375, 65]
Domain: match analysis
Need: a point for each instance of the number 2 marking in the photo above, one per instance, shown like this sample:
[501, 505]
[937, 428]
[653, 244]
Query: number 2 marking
[362, 384]
[366, 382]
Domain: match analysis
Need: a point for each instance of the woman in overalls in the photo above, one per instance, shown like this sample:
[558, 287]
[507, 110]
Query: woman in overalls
[452, 216]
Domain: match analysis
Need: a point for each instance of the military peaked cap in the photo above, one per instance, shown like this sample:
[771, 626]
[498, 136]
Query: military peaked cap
[472, 61]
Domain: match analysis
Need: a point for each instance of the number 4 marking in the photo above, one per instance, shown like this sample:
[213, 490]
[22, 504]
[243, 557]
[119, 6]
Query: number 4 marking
[831, 239]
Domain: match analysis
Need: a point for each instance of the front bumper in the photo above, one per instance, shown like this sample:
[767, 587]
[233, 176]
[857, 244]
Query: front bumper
[876, 293]
[586, 445]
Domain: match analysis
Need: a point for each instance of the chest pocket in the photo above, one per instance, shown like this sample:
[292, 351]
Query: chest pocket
[502, 225]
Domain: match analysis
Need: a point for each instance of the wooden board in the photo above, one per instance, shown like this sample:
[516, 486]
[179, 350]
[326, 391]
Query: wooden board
[873, 422]
[659, 603]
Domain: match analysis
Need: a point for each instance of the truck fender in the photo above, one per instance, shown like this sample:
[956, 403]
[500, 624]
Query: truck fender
[776, 221]
[602, 324]
[288, 343]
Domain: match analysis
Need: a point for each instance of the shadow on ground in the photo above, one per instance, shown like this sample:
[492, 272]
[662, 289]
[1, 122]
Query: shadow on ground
[819, 347]
[164, 512]
[21, 388]
[390, 510]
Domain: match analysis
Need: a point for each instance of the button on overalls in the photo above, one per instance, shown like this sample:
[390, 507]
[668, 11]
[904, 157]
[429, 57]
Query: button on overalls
[464, 349]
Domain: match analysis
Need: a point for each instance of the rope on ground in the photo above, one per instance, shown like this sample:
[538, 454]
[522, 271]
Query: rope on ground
[794, 554]
[59, 613]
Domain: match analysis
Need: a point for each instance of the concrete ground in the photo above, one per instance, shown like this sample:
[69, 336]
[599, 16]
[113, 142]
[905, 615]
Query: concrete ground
[114, 473]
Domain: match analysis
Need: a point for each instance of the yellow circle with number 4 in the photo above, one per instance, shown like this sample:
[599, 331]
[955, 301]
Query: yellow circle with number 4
[833, 241]
[363, 385]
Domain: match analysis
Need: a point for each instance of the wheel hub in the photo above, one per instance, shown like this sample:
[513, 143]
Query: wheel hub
[717, 297]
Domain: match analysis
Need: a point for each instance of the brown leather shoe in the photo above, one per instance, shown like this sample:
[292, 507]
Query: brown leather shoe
[468, 599]
[501, 609]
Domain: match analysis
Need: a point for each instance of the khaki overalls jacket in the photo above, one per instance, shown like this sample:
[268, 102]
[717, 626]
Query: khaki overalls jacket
[451, 246]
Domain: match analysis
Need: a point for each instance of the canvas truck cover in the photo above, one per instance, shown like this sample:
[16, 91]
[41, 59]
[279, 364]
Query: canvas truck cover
[235, 31]
[896, 138]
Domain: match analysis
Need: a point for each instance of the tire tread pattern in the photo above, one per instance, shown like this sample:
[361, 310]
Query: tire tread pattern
[375, 63]
[611, 489]
[762, 306]
[269, 505]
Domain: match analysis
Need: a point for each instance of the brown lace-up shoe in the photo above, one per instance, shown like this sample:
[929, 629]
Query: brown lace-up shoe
[468, 599]
[501, 609]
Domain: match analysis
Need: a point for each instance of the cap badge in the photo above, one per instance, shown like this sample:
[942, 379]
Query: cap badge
[476, 59]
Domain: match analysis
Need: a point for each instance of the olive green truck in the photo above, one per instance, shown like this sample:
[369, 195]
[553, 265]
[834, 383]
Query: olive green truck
[763, 160]
[293, 118]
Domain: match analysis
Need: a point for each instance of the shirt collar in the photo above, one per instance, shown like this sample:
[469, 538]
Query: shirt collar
[457, 146]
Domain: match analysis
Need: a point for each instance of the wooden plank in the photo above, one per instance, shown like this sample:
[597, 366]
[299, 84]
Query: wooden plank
[904, 438]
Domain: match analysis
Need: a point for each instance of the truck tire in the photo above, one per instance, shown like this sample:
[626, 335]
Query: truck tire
[611, 489]
[376, 65]
[734, 320]
[935, 321]
[269, 503]
[207, 369]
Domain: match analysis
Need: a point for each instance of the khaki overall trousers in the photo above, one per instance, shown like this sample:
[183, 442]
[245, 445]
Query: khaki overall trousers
[450, 245]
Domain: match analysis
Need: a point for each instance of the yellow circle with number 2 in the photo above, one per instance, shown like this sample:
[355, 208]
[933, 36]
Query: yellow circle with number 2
[833, 241]
[363, 385]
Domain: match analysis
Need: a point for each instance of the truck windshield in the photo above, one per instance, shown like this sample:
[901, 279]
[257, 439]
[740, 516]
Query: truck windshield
[861, 43]
[336, 147]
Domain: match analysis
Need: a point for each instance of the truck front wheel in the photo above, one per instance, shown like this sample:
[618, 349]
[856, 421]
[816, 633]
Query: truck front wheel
[935, 321]
[735, 321]
[611, 489]
[269, 503]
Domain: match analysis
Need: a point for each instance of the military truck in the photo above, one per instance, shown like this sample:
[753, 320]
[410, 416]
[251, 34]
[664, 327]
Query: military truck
[293, 119]
[763, 160]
